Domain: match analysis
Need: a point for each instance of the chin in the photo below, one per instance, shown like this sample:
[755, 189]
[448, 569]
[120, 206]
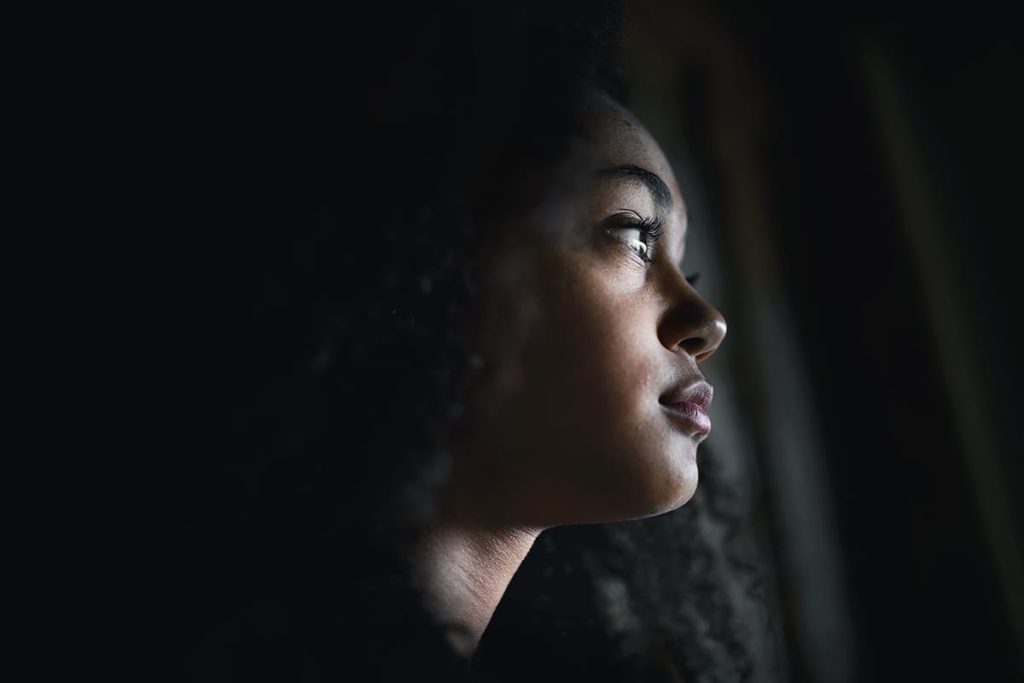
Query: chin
[684, 484]
[642, 483]
[682, 498]
[671, 498]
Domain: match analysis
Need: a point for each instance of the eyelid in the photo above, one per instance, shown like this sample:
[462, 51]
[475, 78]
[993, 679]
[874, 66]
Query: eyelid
[650, 228]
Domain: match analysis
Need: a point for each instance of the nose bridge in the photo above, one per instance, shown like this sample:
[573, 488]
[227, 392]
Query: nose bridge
[689, 321]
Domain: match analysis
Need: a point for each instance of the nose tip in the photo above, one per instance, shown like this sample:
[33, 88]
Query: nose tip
[707, 339]
[692, 324]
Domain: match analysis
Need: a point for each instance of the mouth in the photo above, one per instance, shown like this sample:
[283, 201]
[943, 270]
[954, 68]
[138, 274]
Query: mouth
[691, 416]
[688, 406]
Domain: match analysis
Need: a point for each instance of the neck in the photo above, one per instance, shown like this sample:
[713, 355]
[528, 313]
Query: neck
[465, 567]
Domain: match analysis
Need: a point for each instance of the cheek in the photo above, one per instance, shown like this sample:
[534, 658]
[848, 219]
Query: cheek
[591, 408]
[594, 350]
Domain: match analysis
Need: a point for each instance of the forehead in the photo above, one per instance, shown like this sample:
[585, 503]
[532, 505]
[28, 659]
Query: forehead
[622, 141]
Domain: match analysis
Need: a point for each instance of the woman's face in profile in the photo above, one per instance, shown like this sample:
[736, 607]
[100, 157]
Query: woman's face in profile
[575, 426]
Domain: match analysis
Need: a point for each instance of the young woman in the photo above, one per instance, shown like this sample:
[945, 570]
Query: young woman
[453, 314]
[596, 405]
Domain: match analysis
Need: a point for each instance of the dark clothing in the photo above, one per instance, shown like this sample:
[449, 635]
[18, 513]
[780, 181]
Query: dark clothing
[321, 644]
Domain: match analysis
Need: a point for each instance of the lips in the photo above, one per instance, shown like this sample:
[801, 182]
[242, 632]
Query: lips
[689, 406]
[699, 392]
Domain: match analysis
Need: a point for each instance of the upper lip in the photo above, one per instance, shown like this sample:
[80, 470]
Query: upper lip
[699, 392]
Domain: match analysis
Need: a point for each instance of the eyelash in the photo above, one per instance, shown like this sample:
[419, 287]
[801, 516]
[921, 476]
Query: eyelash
[651, 230]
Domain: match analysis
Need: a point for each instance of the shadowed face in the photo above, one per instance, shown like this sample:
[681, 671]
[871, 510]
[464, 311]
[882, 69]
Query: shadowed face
[583, 418]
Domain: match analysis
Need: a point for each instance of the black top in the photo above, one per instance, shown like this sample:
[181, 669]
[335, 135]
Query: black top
[277, 642]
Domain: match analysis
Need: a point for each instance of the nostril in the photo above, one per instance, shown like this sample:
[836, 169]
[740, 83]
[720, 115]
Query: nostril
[693, 325]
[694, 345]
[705, 340]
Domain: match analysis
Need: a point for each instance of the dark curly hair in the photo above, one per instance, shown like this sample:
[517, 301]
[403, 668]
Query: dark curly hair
[370, 171]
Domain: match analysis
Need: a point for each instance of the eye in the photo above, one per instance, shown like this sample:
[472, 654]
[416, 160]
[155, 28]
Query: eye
[639, 234]
[637, 243]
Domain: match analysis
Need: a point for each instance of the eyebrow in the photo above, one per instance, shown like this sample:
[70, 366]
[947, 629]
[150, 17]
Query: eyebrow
[657, 186]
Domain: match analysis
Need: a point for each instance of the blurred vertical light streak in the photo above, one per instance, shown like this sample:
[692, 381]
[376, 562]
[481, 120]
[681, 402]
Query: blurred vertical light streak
[950, 322]
[791, 451]
[793, 459]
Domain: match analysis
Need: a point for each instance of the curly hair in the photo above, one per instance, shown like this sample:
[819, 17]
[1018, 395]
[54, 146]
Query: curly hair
[355, 301]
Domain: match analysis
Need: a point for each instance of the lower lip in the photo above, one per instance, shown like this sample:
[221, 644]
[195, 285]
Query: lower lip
[691, 415]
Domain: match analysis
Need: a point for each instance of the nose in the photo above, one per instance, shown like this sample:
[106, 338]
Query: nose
[689, 322]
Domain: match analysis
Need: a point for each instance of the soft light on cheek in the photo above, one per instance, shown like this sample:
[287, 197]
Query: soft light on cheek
[627, 269]
[617, 282]
[610, 262]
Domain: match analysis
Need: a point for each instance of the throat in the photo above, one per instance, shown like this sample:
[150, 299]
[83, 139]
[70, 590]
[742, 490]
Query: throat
[462, 573]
